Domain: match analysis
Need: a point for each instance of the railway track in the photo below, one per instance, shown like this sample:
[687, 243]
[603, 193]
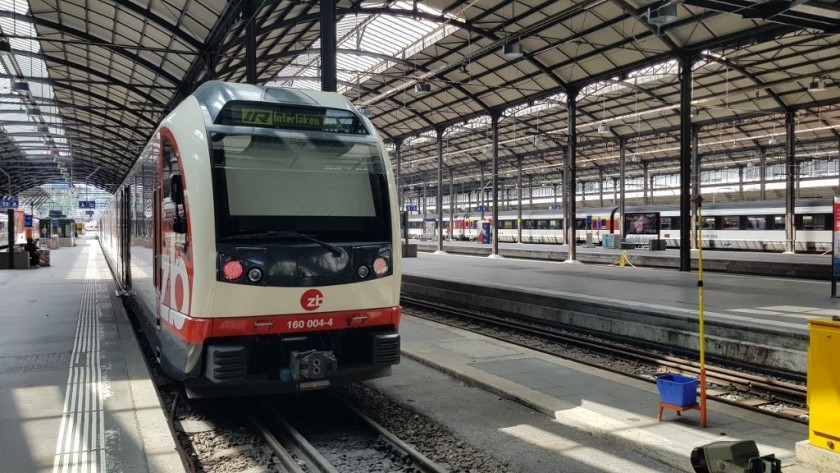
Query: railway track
[750, 391]
[338, 439]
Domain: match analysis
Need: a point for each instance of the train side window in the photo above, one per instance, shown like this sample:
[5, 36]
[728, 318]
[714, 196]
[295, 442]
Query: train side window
[778, 222]
[554, 224]
[756, 223]
[730, 223]
[813, 222]
[708, 223]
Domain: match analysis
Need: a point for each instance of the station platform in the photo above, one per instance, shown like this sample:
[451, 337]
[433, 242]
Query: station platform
[594, 420]
[746, 316]
[799, 265]
[75, 393]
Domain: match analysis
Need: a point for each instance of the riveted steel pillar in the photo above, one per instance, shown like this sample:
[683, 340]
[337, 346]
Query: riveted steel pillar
[685, 160]
[397, 145]
[622, 161]
[790, 183]
[329, 77]
[519, 207]
[570, 186]
[250, 42]
[762, 172]
[440, 188]
[494, 240]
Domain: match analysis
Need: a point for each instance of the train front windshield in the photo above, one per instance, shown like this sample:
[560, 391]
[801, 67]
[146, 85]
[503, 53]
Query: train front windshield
[332, 187]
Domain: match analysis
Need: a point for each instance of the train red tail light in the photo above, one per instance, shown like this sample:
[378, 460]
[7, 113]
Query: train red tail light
[380, 266]
[232, 270]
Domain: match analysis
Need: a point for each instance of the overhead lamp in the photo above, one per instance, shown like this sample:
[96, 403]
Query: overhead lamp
[817, 85]
[5, 46]
[365, 111]
[538, 141]
[603, 129]
[422, 88]
[772, 141]
[512, 50]
[21, 87]
[663, 15]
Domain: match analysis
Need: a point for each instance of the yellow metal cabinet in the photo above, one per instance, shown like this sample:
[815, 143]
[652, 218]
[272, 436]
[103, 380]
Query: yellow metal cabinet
[824, 384]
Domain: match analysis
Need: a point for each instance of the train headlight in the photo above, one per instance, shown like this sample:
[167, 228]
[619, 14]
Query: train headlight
[363, 271]
[255, 274]
[380, 266]
[232, 270]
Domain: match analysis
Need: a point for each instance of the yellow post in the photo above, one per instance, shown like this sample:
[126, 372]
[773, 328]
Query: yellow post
[699, 201]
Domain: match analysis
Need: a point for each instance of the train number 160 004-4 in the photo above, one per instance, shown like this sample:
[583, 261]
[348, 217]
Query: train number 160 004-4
[310, 323]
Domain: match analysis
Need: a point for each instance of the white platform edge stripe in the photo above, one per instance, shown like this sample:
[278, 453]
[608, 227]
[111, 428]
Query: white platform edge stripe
[81, 435]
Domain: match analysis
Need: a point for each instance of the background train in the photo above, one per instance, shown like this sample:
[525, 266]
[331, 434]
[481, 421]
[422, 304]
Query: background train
[257, 239]
[20, 229]
[754, 226]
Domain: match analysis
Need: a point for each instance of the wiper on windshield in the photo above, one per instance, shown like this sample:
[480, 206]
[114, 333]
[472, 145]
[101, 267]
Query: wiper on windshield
[287, 234]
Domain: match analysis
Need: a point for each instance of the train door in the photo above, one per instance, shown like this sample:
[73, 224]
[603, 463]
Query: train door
[158, 277]
[125, 236]
[175, 260]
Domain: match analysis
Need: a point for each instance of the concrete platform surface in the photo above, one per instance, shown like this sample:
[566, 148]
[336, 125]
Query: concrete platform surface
[75, 394]
[617, 414]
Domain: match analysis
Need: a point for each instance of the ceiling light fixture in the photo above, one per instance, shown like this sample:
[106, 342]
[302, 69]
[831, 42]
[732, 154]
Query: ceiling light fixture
[512, 50]
[365, 111]
[663, 15]
[603, 129]
[422, 88]
[817, 85]
[772, 141]
[5, 46]
[21, 87]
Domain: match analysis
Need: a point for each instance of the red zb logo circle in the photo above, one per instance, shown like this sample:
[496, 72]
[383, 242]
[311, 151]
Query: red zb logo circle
[311, 299]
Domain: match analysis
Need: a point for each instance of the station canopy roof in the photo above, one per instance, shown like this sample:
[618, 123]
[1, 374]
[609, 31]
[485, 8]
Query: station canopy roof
[84, 83]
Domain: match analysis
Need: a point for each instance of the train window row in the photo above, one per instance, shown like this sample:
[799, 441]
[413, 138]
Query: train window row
[733, 222]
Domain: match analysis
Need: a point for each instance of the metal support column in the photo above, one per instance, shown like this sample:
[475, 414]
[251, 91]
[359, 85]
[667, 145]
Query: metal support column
[250, 42]
[695, 179]
[645, 179]
[600, 187]
[397, 145]
[615, 190]
[519, 207]
[762, 172]
[530, 192]
[440, 189]
[494, 239]
[329, 76]
[790, 183]
[685, 161]
[480, 195]
[622, 165]
[570, 185]
[741, 182]
[451, 202]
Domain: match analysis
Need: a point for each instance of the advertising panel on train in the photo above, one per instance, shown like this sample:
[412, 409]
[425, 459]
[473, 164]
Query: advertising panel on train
[646, 223]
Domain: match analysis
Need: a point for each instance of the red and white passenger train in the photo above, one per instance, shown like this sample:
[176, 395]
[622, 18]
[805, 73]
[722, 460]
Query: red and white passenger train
[746, 226]
[257, 237]
[20, 230]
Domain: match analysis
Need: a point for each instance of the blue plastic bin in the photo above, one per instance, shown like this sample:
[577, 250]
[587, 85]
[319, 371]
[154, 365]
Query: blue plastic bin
[677, 390]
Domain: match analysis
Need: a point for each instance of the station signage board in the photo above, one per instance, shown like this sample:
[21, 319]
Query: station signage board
[27, 221]
[9, 204]
[87, 204]
[411, 207]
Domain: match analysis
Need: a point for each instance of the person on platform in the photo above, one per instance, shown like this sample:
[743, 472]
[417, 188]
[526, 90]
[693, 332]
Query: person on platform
[32, 248]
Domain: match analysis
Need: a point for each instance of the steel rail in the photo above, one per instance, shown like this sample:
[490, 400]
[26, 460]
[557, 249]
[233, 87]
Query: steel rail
[778, 389]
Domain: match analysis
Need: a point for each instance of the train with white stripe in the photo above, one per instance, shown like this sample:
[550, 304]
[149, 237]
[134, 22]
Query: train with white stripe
[749, 226]
[257, 239]
[21, 231]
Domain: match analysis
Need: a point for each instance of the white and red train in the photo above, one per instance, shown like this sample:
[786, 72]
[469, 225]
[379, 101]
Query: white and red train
[20, 229]
[751, 226]
[257, 237]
